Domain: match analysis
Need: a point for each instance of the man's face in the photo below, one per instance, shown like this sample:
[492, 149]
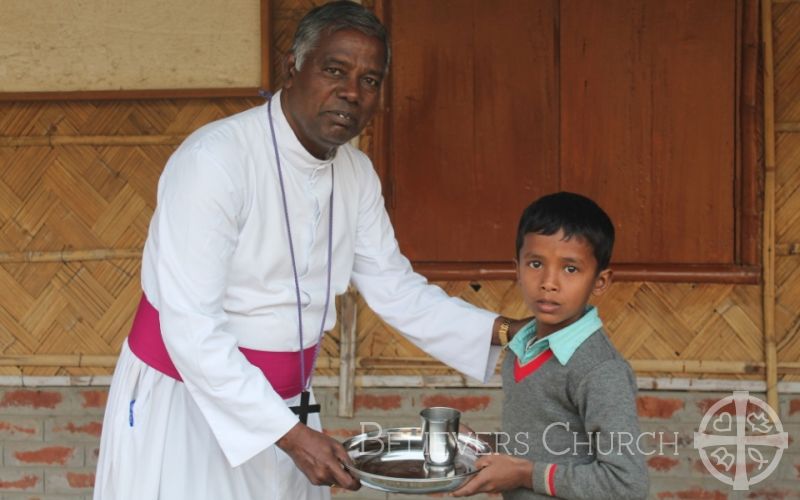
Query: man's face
[333, 96]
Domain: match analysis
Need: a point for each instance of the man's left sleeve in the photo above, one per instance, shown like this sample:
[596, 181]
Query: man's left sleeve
[448, 328]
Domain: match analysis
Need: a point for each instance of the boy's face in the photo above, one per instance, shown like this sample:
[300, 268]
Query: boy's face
[557, 277]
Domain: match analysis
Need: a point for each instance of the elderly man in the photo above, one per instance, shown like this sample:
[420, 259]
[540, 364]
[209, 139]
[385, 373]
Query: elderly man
[261, 219]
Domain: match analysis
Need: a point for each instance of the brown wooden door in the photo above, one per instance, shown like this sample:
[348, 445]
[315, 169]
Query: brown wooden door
[474, 123]
[493, 103]
[647, 123]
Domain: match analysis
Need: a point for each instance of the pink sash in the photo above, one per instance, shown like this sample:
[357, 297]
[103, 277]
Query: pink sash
[282, 369]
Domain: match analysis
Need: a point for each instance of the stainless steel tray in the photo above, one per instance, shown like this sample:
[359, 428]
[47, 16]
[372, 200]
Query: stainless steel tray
[391, 460]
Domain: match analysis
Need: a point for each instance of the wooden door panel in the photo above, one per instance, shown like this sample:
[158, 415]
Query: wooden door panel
[474, 124]
[647, 122]
[632, 102]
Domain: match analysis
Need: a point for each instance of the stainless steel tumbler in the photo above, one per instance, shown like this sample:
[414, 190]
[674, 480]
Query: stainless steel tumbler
[440, 435]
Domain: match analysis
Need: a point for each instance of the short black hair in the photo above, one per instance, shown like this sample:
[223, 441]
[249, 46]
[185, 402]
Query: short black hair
[576, 215]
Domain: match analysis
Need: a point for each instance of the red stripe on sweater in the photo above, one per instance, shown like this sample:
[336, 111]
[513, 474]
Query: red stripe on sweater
[551, 480]
[522, 371]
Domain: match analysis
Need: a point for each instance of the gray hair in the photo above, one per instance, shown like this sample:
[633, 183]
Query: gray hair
[332, 17]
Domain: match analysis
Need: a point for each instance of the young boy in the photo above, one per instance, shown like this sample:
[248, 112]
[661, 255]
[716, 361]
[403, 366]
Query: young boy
[569, 415]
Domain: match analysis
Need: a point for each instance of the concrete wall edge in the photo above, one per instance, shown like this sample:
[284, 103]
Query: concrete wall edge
[442, 381]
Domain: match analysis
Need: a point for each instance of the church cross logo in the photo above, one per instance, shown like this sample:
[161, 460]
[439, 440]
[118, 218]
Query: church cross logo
[743, 448]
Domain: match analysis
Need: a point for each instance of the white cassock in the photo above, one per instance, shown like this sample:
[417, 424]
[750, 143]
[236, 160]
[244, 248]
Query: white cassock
[216, 266]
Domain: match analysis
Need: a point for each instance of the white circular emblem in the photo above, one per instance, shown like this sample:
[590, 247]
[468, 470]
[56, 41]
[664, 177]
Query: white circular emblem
[752, 440]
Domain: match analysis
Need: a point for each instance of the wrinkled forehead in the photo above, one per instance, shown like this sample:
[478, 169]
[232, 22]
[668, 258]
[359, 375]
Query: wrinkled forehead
[351, 46]
[346, 39]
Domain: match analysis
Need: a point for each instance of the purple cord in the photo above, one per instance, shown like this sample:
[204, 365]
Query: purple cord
[305, 384]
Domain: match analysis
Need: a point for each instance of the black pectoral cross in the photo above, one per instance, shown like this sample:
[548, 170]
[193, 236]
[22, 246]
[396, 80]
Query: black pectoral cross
[304, 408]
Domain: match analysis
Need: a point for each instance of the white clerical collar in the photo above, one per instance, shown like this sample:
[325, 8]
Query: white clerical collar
[291, 149]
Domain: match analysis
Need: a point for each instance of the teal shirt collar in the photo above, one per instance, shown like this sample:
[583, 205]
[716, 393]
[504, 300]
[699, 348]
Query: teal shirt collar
[563, 343]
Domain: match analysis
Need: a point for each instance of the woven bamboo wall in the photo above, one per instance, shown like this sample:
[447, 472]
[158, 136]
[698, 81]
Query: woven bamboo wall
[78, 179]
[646, 321]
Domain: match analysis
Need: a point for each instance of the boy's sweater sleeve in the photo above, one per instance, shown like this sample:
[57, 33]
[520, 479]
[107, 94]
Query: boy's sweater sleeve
[606, 400]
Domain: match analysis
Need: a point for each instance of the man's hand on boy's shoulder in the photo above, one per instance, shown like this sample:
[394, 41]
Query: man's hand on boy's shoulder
[498, 473]
[504, 329]
[518, 324]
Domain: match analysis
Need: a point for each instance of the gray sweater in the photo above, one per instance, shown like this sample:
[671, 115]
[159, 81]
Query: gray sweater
[551, 416]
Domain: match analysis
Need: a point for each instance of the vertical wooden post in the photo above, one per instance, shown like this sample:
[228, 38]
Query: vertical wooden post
[348, 337]
[266, 44]
[768, 249]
